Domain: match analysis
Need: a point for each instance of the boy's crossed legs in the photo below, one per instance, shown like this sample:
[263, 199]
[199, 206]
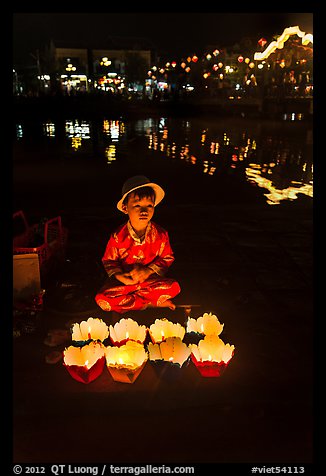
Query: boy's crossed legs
[153, 292]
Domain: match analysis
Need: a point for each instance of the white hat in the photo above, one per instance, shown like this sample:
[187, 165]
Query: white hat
[139, 181]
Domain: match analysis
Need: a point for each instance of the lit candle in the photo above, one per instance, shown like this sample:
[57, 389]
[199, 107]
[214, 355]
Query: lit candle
[127, 335]
[89, 332]
[162, 334]
[86, 363]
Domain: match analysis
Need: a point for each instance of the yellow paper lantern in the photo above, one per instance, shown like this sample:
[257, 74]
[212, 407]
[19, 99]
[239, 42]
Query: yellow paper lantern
[127, 329]
[92, 329]
[85, 363]
[126, 362]
[163, 328]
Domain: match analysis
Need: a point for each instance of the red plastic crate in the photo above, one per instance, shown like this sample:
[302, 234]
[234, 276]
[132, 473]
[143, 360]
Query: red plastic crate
[54, 241]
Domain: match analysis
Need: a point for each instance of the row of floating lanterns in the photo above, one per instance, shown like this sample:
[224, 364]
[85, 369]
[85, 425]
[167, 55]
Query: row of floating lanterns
[86, 357]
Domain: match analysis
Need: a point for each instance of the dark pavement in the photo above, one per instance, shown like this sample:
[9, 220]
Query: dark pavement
[250, 264]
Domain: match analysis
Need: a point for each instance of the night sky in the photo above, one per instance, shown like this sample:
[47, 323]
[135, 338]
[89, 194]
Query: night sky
[176, 32]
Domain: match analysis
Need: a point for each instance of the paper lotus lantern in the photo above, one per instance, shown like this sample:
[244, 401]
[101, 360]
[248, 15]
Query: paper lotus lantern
[211, 356]
[206, 324]
[126, 361]
[163, 328]
[85, 363]
[127, 329]
[169, 356]
[86, 331]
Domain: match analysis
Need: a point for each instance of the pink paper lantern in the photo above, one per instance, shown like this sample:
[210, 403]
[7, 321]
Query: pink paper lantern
[211, 356]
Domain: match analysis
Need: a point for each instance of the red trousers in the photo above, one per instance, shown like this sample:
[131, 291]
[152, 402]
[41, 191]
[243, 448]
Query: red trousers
[126, 297]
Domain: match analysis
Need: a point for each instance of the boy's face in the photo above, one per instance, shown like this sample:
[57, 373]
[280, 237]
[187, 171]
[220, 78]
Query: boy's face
[140, 211]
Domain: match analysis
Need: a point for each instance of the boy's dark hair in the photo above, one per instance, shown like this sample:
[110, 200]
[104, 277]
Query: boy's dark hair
[142, 192]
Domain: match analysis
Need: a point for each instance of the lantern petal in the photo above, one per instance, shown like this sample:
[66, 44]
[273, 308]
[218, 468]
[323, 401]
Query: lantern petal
[195, 351]
[75, 331]
[174, 350]
[154, 351]
[227, 352]
[191, 325]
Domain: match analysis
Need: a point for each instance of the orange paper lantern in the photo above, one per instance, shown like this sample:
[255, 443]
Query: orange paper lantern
[85, 363]
[126, 362]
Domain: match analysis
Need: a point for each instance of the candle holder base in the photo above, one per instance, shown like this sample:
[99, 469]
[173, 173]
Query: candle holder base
[208, 368]
[85, 375]
[168, 371]
[125, 375]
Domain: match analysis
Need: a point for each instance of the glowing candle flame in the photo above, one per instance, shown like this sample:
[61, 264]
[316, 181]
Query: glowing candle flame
[120, 360]
[209, 357]
[89, 332]
[86, 363]
[127, 335]
[202, 327]
[171, 359]
[162, 334]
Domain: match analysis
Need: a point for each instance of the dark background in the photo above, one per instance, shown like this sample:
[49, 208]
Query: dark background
[170, 32]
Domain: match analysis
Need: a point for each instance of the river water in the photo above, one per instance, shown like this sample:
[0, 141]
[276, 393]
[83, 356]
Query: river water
[272, 156]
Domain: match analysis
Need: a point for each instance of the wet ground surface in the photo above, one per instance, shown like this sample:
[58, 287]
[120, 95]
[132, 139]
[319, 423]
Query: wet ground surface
[249, 263]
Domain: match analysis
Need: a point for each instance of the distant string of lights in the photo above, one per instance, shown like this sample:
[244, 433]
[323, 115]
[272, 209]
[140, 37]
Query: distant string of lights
[186, 65]
[306, 38]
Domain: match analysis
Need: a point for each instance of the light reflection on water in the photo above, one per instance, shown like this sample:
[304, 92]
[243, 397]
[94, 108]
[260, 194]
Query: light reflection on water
[278, 162]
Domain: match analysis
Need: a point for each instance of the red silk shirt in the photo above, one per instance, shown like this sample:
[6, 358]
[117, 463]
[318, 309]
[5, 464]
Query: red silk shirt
[125, 249]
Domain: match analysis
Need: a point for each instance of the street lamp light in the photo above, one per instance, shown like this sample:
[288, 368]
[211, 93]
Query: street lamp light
[105, 61]
[70, 67]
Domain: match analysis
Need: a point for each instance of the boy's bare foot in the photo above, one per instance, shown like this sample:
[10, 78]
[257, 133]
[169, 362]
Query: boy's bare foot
[168, 303]
[105, 306]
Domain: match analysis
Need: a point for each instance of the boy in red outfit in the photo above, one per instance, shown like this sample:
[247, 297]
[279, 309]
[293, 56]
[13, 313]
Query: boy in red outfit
[138, 254]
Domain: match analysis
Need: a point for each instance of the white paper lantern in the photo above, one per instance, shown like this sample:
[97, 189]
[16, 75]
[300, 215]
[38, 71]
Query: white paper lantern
[92, 329]
[127, 329]
[163, 328]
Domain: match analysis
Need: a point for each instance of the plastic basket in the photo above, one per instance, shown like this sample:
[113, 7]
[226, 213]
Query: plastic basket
[53, 237]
